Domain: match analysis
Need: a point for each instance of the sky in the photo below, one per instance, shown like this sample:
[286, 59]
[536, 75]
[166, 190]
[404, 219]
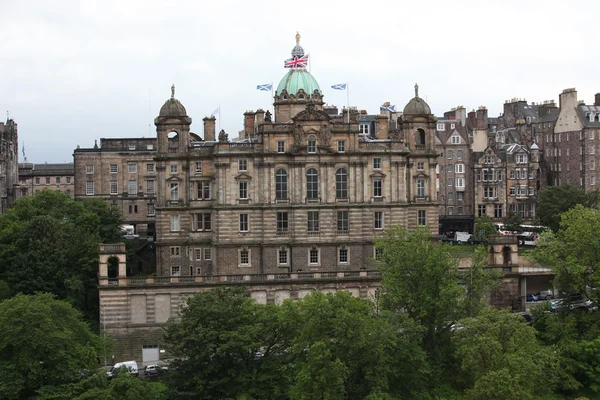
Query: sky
[72, 72]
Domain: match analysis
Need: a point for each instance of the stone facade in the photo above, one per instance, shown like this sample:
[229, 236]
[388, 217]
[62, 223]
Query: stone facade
[36, 177]
[9, 164]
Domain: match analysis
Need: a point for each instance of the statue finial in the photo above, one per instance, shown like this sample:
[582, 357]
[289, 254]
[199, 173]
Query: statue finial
[416, 90]
[172, 91]
[297, 37]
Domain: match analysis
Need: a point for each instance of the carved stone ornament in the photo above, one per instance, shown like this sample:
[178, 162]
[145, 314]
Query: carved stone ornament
[223, 137]
[298, 135]
[325, 136]
[395, 135]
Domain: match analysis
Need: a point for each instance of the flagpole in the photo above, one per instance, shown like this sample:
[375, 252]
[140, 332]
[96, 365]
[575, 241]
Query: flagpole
[348, 100]
[219, 118]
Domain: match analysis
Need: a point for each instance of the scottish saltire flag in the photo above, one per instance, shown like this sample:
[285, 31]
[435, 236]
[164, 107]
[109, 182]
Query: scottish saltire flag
[339, 86]
[388, 108]
[23, 149]
[266, 87]
[296, 62]
[216, 111]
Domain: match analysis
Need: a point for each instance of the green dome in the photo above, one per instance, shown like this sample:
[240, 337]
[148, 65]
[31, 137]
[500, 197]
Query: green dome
[296, 79]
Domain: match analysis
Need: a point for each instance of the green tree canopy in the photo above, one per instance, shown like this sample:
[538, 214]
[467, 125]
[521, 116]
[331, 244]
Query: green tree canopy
[43, 342]
[49, 243]
[484, 227]
[513, 222]
[555, 200]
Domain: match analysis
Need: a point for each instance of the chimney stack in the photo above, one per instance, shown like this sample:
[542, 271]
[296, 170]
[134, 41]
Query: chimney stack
[260, 117]
[381, 127]
[597, 100]
[248, 124]
[482, 118]
[209, 128]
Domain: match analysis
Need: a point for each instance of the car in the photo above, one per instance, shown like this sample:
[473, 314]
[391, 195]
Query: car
[155, 369]
[545, 295]
[531, 297]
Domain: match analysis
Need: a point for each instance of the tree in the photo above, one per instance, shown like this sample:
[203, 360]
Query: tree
[49, 243]
[554, 200]
[502, 359]
[513, 222]
[484, 227]
[43, 342]
[574, 252]
[226, 346]
[421, 281]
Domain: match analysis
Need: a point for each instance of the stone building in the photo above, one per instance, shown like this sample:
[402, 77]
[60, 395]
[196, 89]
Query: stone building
[36, 177]
[292, 205]
[9, 164]
[454, 134]
[122, 172]
[573, 148]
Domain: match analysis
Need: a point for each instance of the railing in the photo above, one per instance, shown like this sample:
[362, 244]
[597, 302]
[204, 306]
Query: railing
[242, 145]
[223, 279]
[385, 145]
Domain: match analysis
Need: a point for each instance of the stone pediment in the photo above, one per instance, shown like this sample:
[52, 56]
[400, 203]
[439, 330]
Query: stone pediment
[311, 114]
[377, 174]
[243, 176]
[420, 174]
[174, 178]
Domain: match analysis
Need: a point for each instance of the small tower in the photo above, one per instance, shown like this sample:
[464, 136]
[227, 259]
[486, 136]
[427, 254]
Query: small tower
[173, 127]
[297, 88]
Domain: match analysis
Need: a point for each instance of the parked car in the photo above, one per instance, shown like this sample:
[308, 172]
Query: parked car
[545, 295]
[531, 297]
[130, 366]
[155, 369]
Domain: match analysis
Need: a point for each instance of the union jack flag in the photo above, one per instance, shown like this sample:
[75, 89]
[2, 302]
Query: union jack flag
[296, 62]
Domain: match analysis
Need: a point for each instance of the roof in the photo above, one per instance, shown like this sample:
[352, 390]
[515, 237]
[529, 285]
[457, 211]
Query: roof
[585, 112]
[172, 108]
[551, 116]
[296, 79]
[417, 106]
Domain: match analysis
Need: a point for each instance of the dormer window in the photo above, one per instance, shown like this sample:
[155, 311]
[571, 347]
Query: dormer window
[521, 158]
[455, 139]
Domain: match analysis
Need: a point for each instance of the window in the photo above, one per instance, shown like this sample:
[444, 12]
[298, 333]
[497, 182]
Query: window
[313, 221]
[341, 146]
[450, 210]
[449, 154]
[203, 190]
[455, 139]
[343, 256]
[313, 256]
[488, 159]
[592, 133]
[450, 168]
[459, 196]
[377, 185]
[175, 270]
[512, 174]
[57, 180]
[89, 169]
[420, 187]
[450, 182]
[245, 257]
[281, 188]
[89, 188]
[174, 223]
[175, 251]
[243, 165]
[203, 222]
[173, 169]
[421, 218]
[132, 146]
[440, 127]
[282, 222]
[199, 167]
[114, 187]
[459, 211]
[530, 191]
[489, 192]
[592, 164]
[378, 217]
[281, 146]
[150, 187]
[243, 222]
[198, 254]
[513, 191]
[343, 224]
[174, 191]
[459, 154]
[450, 196]
[592, 179]
[132, 168]
[499, 175]
[312, 184]
[521, 158]
[420, 166]
[452, 126]
[282, 257]
[341, 183]
[363, 129]
[150, 168]
[498, 211]
[243, 189]
[460, 183]
[377, 163]
[480, 210]
[151, 210]
[113, 168]
[312, 146]
[37, 181]
[207, 254]
[592, 150]
[459, 168]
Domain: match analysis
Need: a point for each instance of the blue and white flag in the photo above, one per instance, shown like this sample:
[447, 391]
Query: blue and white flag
[266, 87]
[339, 86]
[388, 108]
[216, 111]
[23, 149]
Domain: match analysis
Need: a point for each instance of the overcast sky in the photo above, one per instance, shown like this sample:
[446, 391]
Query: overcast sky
[75, 71]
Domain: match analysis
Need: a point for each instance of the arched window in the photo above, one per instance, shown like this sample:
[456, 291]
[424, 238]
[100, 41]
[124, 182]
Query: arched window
[420, 137]
[281, 184]
[113, 267]
[341, 183]
[312, 184]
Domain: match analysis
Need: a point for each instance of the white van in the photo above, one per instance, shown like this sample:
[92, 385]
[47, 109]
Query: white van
[463, 237]
[132, 368]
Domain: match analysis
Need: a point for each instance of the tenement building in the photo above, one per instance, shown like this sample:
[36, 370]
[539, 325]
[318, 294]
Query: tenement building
[9, 164]
[35, 177]
[294, 204]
